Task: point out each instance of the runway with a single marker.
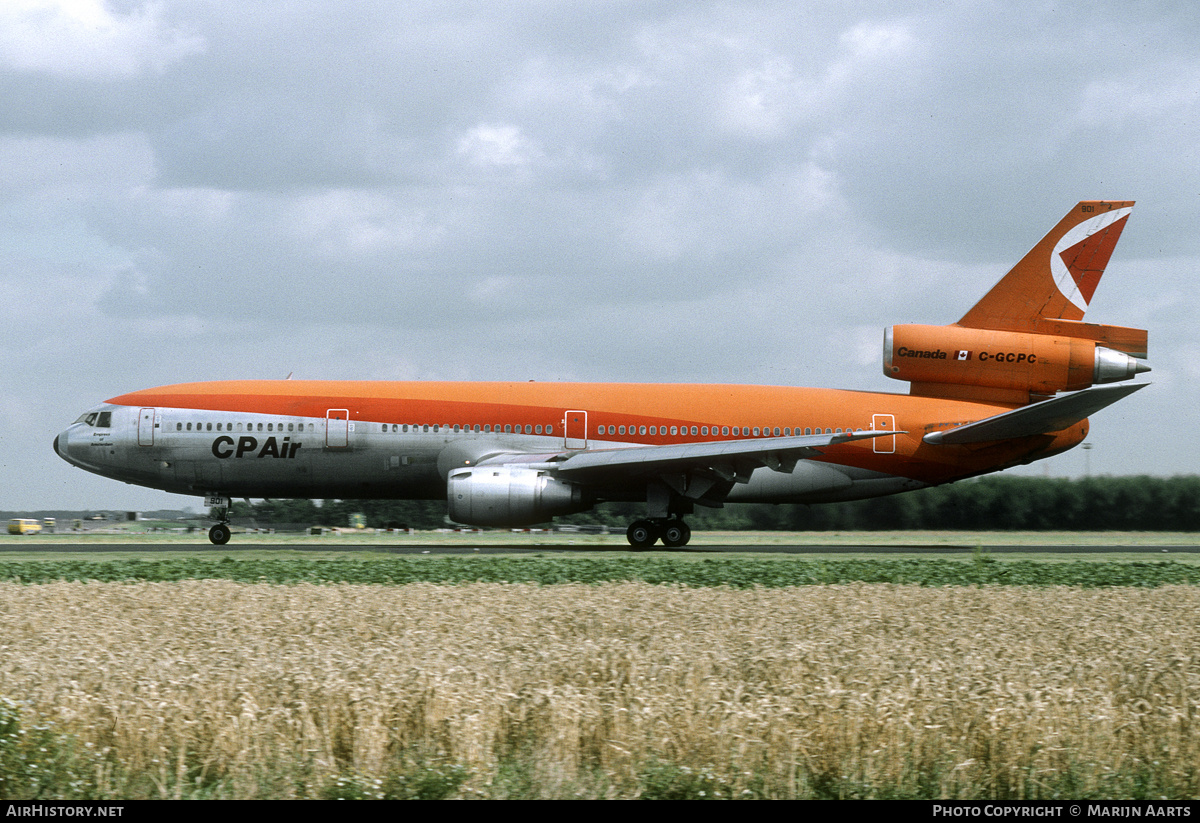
(418, 548)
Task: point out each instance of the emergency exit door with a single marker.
(884, 423)
(337, 428)
(575, 430)
(146, 427)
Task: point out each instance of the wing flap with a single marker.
(1047, 416)
(727, 456)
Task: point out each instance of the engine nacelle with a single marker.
(509, 496)
(1037, 363)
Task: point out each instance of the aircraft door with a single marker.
(337, 428)
(575, 430)
(884, 422)
(145, 427)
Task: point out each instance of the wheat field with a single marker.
(208, 688)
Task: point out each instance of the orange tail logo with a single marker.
(1056, 279)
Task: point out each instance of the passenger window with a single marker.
(674, 429)
(528, 428)
(621, 430)
(776, 431)
(507, 428)
(208, 426)
(641, 430)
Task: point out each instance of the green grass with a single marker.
(697, 571)
(126, 533)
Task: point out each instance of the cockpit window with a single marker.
(100, 420)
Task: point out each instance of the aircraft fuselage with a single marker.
(318, 439)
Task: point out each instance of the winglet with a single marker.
(1056, 279)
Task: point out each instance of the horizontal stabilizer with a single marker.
(1047, 416)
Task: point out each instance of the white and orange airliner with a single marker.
(1011, 382)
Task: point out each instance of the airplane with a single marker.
(1013, 381)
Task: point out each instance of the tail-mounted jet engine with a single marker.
(1039, 364)
(509, 497)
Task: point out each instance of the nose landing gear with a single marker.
(673, 532)
(219, 534)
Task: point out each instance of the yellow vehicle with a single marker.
(22, 526)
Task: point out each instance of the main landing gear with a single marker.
(673, 533)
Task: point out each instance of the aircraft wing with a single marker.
(779, 453)
(727, 460)
(1047, 416)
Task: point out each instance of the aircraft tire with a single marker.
(219, 534)
(641, 534)
(676, 534)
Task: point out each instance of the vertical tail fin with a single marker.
(1026, 338)
(1056, 279)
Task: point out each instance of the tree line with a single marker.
(994, 503)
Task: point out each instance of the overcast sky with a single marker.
(629, 191)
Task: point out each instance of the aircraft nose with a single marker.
(60, 446)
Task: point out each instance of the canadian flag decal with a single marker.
(962, 354)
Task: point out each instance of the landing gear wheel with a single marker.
(219, 534)
(676, 534)
(641, 534)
